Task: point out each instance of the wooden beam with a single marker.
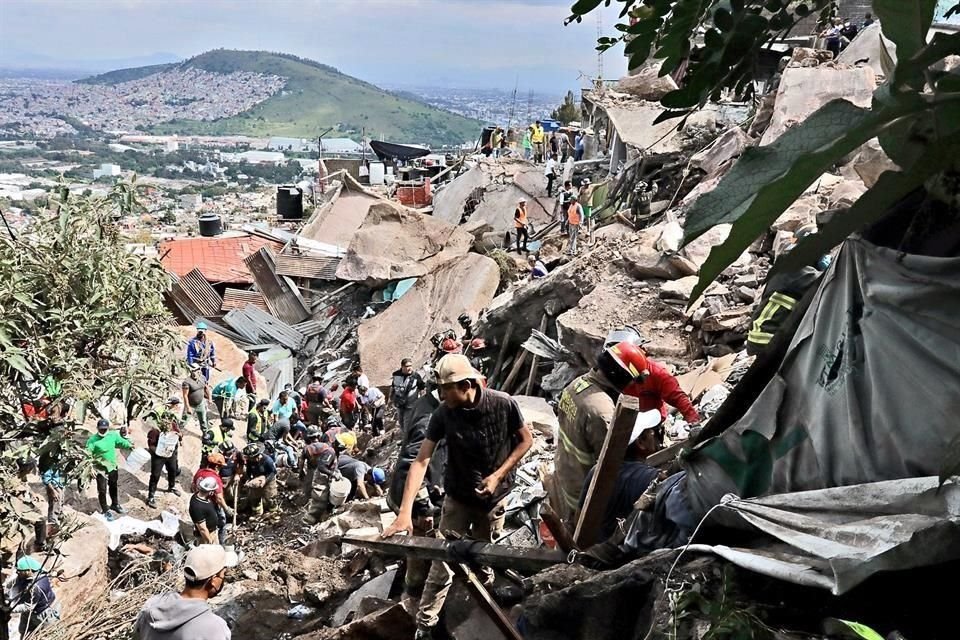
(522, 559)
(500, 356)
(486, 602)
(605, 474)
(536, 360)
(514, 371)
(557, 529)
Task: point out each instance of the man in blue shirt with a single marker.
(202, 351)
(285, 408)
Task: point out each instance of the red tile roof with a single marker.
(219, 259)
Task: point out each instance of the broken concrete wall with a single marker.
(432, 305)
(646, 83)
(501, 183)
(803, 90)
(395, 243)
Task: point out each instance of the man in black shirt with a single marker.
(204, 514)
(405, 387)
(486, 438)
(260, 479)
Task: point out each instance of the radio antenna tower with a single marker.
(599, 53)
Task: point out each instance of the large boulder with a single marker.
(645, 82)
(803, 90)
(395, 243)
(432, 305)
(539, 414)
(493, 188)
(83, 564)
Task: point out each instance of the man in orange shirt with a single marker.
(574, 218)
(520, 222)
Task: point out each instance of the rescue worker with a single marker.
(259, 479)
(486, 438)
(477, 352)
(280, 439)
(103, 447)
(634, 476)
(520, 224)
(536, 137)
(349, 405)
(249, 372)
(373, 405)
(258, 421)
(586, 411)
(231, 471)
(163, 442)
(574, 220)
(405, 388)
(201, 351)
(317, 399)
(32, 596)
(211, 470)
(196, 394)
(318, 465)
(466, 323)
(359, 473)
(430, 495)
(204, 515)
(780, 294)
(226, 394)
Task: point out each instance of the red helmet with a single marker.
(478, 343)
(622, 364)
(449, 345)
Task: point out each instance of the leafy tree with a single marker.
(915, 113)
(568, 111)
(80, 319)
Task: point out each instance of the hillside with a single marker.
(314, 98)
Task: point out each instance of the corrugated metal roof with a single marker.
(257, 325)
(207, 300)
(304, 266)
(219, 259)
(283, 299)
(240, 298)
(278, 375)
(315, 327)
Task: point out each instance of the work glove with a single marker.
(21, 608)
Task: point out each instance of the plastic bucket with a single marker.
(339, 490)
(136, 459)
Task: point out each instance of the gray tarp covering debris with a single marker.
(845, 409)
(839, 537)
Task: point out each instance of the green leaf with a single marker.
(766, 180)
(849, 629)
(906, 23)
(18, 362)
(870, 207)
(583, 7)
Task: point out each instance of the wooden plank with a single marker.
(523, 559)
(536, 360)
(515, 370)
(501, 355)
(605, 474)
(557, 530)
(486, 602)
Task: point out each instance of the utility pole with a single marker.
(599, 53)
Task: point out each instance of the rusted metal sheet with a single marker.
(307, 266)
(205, 298)
(240, 298)
(282, 298)
(256, 325)
(316, 326)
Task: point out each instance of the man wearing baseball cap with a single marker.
(186, 615)
(163, 442)
(486, 438)
(103, 447)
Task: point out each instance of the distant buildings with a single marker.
(254, 157)
(108, 170)
(191, 201)
(296, 145)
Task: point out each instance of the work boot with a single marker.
(174, 490)
(152, 501)
(118, 509)
(109, 517)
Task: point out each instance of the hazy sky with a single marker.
(427, 42)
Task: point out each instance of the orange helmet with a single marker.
(623, 364)
(478, 343)
(449, 345)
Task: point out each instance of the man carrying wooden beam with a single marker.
(486, 438)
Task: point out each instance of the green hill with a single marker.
(315, 97)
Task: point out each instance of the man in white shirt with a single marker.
(551, 172)
(374, 404)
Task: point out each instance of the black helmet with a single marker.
(226, 424)
(465, 320)
(253, 450)
(207, 438)
(332, 421)
(227, 447)
(312, 433)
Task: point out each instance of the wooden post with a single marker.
(501, 355)
(605, 476)
(536, 360)
(515, 370)
(560, 533)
